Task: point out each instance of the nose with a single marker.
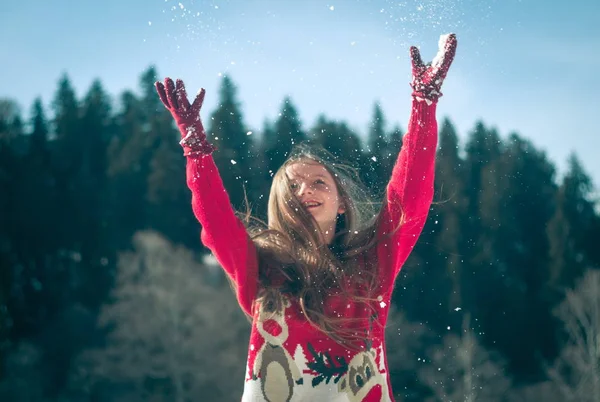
(304, 188)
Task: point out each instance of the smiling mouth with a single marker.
(311, 205)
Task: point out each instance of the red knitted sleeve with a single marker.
(409, 192)
(222, 232)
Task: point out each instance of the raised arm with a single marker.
(410, 190)
(222, 232)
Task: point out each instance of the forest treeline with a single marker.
(106, 293)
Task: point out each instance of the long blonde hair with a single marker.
(293, 260)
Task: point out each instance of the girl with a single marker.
(318, 281)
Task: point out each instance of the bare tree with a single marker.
(462, 370)
(171, 334)
(577, 369)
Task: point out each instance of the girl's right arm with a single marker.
(222, 232)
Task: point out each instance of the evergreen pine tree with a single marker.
(9, 131)
(516, 204)
(288, 132)
(227, 131)
(167, 196)
(68, 141)
(439, 287)
(128, 158)
(68, 151)
(38, 145)
(377, 143)
(392, 150)
(340, 140)
(36, 190)
(449, 211)
(96, 130)
(144, 128)
(571, 226)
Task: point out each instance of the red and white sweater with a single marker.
(288, 359)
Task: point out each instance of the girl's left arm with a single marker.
(410, 191)
(222, 232)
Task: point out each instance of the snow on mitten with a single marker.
(427, 79)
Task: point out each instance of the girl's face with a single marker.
(315, 189)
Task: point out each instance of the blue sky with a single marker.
(521, 65)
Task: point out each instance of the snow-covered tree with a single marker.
(461, 369)
(577, 369)
(171, 333)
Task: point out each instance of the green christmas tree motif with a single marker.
(326, 366)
